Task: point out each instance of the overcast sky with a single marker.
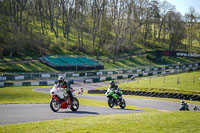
(183, 5)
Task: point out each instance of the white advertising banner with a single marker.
(119, 72)
(135, 75)
(109, 73)
(76, 75)
(50, 82)
(102, 79)
(113, 77)
(45, 75)
(2, 78)
(155, 69)
(1, 84)
(17, 83)
(147, 69)
(154, 73)
(99, 73)
(163, 72)
(145, 74)
(89, 81)
(171, 71)
(129, 71)
(19, 77)
(125, 76)
(34, 83)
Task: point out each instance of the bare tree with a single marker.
(191, 20)
(176, 29)
(164, 7)
(80, 13)
(68, 15)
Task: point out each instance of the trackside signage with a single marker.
(177, 53)
(187, 54)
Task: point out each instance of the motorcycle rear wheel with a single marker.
(75, 105)
(54, 105)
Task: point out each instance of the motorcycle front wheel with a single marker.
(111, 102)
(54, 105)
(123, 104)
(75, 105)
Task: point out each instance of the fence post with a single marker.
(194, 80)
(31, 75)
(164, 80)
(178, 80)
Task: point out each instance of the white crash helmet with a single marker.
(61, 79)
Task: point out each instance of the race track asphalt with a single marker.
(21, 113)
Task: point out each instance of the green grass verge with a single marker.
(22, 94)
(153, 122)
(189, 83)
(26, 67)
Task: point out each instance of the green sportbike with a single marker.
(115, 100)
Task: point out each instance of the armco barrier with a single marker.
(8, 84)
(108, 78)
(46, 76)
(1, 84)
(153, 94)
(32, 83)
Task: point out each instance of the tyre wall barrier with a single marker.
(153, 94)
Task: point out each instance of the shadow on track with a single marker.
(80, 112)
(127, 109)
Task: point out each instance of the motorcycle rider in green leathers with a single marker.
(115, 88)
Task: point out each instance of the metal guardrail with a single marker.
(53, 75)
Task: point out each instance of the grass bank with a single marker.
(26, 67)
(153, 122)
(120, 63)
(22, 94)
(187, 83)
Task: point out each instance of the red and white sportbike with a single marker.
(60, 99)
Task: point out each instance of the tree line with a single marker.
(113, 26)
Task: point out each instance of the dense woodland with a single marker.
(96, 27)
